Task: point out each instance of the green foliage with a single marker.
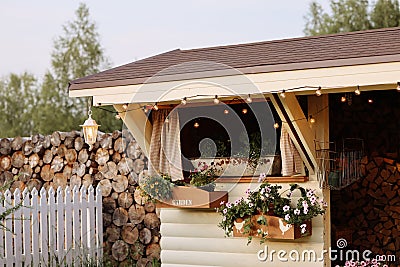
(268, 200)
(203, 175)
(77, 53)
(18, 103)
(28, 107)
(351, 15)
(158, 187)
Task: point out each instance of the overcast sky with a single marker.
(132, 30)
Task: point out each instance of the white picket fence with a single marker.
(52, 228)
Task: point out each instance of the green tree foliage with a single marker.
(18, 101)
(77, 53)
(351, 15)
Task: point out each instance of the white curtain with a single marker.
(165, 144)
(291, 160)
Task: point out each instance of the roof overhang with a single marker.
(372, 76)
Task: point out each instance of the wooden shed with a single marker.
(302, 81)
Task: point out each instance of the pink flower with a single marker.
(222, 203)
(287, 217)
(296, 212)
(225, 211)
(251, 205)
(305, 211)
(229, 205)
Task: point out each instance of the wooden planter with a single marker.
(191, 197)
(276, 228)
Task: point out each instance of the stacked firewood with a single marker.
(131, 225)
(370, 207)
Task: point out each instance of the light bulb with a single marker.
(125, 106)
(343, 99)
(244, 111)
(276, 125)
(216, 100)
(196, 125)
(248, 99)
(318, 92)
(226, 111)
(166, 120)
(312, 120)
(357, 91)
(283, 94)
(118, 117)
(184, 101)
(155, 107)
(370, 101)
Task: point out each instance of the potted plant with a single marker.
(268, 213)
(253, 156)
(204, 176)
(158, 187)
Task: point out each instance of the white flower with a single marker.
(251, 205)
(224, 218)
(303, 228)
(286, 208)
(225, 211)
(262, 191)
(305, 204)
(222, 203)
(313, 199)
(229, 205)
(305, 211)
(296, 212)
(310, 193)
(287, 217)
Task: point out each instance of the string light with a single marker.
(370, 101)
(118, 117)
(398, 86)
(125, 106)
(196, 125)
(312, 120)
(226, 111)
(318, 92)
(184, 101)
(244, 111)
(216, 100)
(343, 99)
(166, 120)
(248, 99)
(357, 91)
(276, 125)
(283, 94)
(155, 107)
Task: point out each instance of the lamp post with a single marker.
(89, 128)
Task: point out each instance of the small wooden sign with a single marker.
(275, 228)
(191, 197)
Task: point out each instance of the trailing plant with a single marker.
(269, 200)
(203, 175)
(158, 187)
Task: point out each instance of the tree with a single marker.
(386, 13)
(77, 53)
(18, 101)
(351, 15)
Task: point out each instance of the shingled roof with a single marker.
(364, 47)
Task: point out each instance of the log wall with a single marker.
(367, 213)
(131, 225)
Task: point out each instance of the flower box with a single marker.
(191, 197)
(236, 166)
(274, 228)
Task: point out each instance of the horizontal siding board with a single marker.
(213, 231)
(233, 245)
(188, 258)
